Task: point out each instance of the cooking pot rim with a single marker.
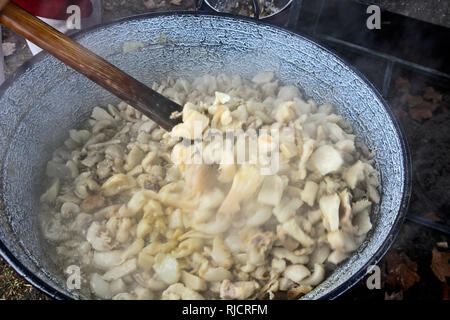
(382, 250)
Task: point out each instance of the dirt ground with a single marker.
(14, 287)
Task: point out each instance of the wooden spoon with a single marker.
(149, 102)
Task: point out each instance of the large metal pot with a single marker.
(45, 98)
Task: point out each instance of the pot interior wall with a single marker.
(38, 108)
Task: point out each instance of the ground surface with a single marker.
(14, 287)
(433, 11)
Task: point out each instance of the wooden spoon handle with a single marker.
(135, 93)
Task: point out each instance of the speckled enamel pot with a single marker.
(45, 98)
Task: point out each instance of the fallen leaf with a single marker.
(402, 85)
(420, 107)
(8, 48)
(400, 113)
(150, 4)
(420, 114)
(431, 94)
(175, 2)
(440, 264)
(400, 272)
(443, 244)
(429, 105)
(413, 101)
(445, 291)
(393, 296)
(424, 110)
